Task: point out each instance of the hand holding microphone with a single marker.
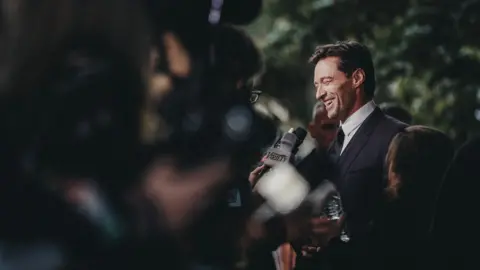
(280, 193)
(285, 196)
(281, 152)
(254, 175)
(280, 186)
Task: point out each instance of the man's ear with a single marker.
(358, 78)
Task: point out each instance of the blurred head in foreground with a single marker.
(237, 55)
(417, 159)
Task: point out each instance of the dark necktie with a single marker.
(338, 144)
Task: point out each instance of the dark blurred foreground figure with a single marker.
(214, 239)
(236, 54)
(214, 119)
(455, 223)
(79, 125)
(396, 111)
(74, 98)
(72, 92)
(417, 159)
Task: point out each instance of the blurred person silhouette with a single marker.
(453, 229)
(227, 60)
(65, 131)
(214, 239)
(190, 191)
(97, 88)
(417, 160)
(87, 135)
(239, 57)
(71, 100)
(396, 111)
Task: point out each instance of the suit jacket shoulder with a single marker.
(370, 143)
(387, 128)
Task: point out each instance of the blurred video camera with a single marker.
(204, 113)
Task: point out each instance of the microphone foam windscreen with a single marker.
(283, 188)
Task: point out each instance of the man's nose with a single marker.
(320, 93)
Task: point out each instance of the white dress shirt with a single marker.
(354, 121)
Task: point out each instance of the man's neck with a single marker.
(359, 103)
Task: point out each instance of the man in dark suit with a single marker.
(344, 80)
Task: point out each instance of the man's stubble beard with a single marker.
(346, 110)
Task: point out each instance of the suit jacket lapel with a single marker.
(359, 140)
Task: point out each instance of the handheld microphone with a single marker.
(283, 150)
(282, 153)
(301, 135)
(283, 191)
(276, 144)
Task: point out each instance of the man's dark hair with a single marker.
(396, 111)
(353, 55)
(237, 54)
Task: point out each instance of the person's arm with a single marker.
(287, 256)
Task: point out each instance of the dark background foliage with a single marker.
(427, 54)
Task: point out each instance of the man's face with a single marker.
(323, 129)
(333, 88)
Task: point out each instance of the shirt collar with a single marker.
(357, 118)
